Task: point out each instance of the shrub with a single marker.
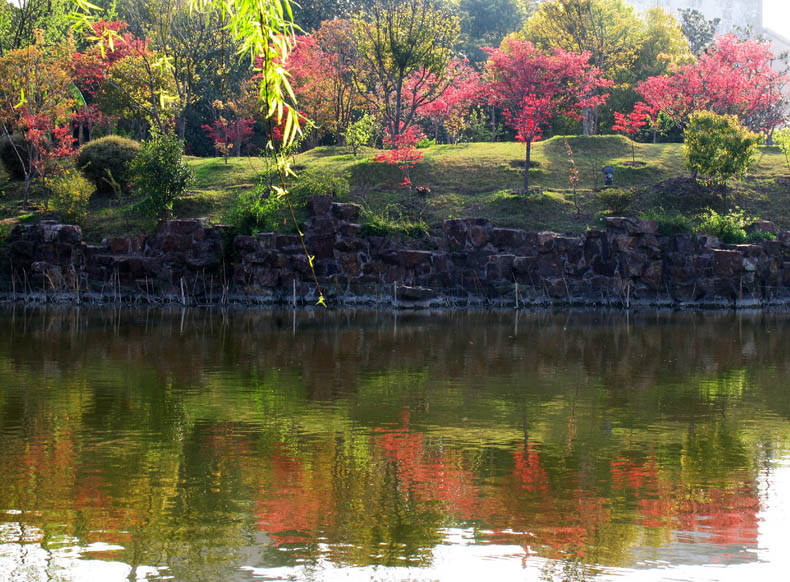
(160, 174)
(309, 183)
(615, 200)
(759, 235)
(719, 147)
(106, 160)
(256, 210)
(9, 155)
(729, 227)
(391, 222)
(70, 193)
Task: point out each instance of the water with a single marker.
(199, 446)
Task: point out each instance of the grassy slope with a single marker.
(467, 180)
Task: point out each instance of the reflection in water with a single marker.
(210, 446)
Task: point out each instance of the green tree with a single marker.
(160, 174)
(405, 47)
(719, 147)
(609, 30)
(360, 132)
(698, 31)
(20, 19)
(486, 22)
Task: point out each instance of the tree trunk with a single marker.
(526, 168)
(586, 121)
(493, 123)
(724, 197)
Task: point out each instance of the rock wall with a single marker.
(465, 262)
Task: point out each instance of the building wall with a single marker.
(733, 13)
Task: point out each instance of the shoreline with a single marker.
(463, 264)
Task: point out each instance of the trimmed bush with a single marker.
(10, 157)
(106, 160)
(616, 201)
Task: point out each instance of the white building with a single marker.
(740, 13)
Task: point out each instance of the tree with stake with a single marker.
(532, 87)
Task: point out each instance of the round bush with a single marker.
(107, 159)
(10, 156)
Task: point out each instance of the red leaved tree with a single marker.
(403, 152)
(734, 78)
(532, 87)
(451, 108)
(630, 124)
(229, 135)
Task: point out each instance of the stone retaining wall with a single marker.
(465, 262)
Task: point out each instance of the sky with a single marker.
(776, 16)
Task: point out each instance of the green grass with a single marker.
(466, 180)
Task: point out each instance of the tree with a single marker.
(631, 124)
(20, 19)
(662, 46)
(718, 147)
(403, 152)
(229, 135)
(532, 87)
(36, 101)
(451, 108)
(698, 31)
(609, 31)
(199, 51)
(404, 53)
(486, 23)
(735, 77)
(321, 76)
(360, 132)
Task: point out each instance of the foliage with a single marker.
(670, 223)
(35, 102)
(403, 152)
(661, 47)
(609, 31)
(360, 132)
(71, 193)
(310, 183)
(138, 88)
(735, 77)
(719, 147)
(106, 160)
(160, 174)
(451, 108)
(256, 210)
(486, 23)
(532, 87)
(390, 221)
(229, 135)
(698, 31)
(615, 200)
(730, 227)
(630, 124)
(781, 140)
(320, 68)
(404, 57)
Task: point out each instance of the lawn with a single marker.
(465, 180)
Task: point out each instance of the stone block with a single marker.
(319, 205)
(727, 263)
(346, 211)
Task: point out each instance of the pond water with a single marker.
(211, 446)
